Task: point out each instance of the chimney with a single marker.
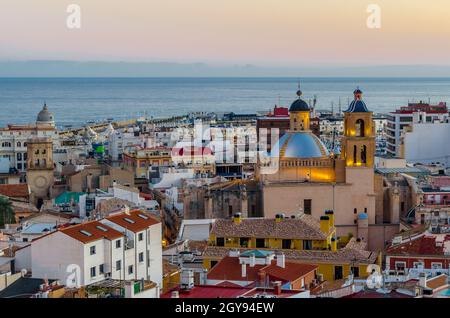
(325, 224)
(333, 244)
(423, 280)
(277, 288)
(279, 218)
(281, 260)
(330, 214)
(244, 270)
(252, 260)
(237, 218)
(262, 278)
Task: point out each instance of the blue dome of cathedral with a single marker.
(299, 145)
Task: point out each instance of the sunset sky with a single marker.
(261, 32)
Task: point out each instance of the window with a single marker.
(260, 243)
(363, 154)
(141, 257)
(101, 269)
(19, 144)
(286, 244)
(220, 241)
(93, 272)
(118, 265)
(19, 156)
(307, 245)
(36, 152)
(359, 127)
(402, 206)
(338, 272)
(92, 250)
(118, 243)
(243, 241)
(230, 210)
(307, 206)
(400, 266)
(130, 269)
(355, 271)
(140, 236)
(354, 154)
(418, 264)
(436, 265)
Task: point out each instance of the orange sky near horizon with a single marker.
(262, 32)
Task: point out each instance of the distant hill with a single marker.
(50, 68)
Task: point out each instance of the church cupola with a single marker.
(299, 114)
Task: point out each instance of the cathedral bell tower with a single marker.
(358, 143)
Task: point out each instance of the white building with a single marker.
(13, 139)
(125, 246)
(426, 142)
(404, 117)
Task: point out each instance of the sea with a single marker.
(78, 101)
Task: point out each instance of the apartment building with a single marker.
(404, 117)
(125, 246)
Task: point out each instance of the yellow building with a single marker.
(302, 239)
(138, 160)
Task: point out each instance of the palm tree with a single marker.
(6, 212)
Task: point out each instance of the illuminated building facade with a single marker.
(310, 179)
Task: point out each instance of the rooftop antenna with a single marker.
(332, 108)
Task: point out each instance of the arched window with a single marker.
(363, 154)
(359, 128)
(354, 154)
(19, 144)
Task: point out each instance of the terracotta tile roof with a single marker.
(135, 221)
(422, 245)
(305, 227)
(229, 269)
(290, 273)
(437, 282)
(96, 230)
(374, 294)
(15, 190)
(343, 255)
(210, 292)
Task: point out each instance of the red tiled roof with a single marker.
(291, 272)
(229, 269)
(94, 228)
(191, 151)
(138, 220)
(304, 227)
(210, 292)
(374, 294)
(15, 190)
(424, 245)
(146, 196)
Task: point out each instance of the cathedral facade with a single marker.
(309, 179)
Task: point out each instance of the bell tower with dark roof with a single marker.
(358, 143)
